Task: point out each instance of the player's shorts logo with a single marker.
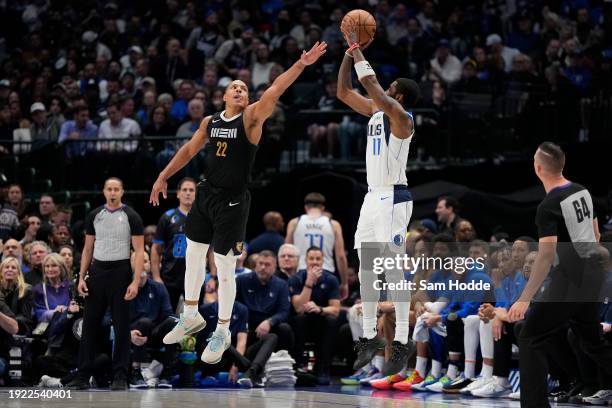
(398, 239)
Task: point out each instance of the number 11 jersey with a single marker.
(386, 155)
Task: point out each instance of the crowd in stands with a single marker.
(286, 300)
(119, 70)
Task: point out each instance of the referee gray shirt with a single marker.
(113, 230)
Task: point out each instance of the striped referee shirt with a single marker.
(113, 230)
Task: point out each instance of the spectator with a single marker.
(524, 38)
(196, 114)
(169, 67)
(38, 251)
(464, 231)
(118, 127)
(235, 54)
(203, 41)
(149, 100)
(300, 31)
(446, 210)
(267, 299)
(17, 200)
(8, 221)
(53, 294)
(288, 259)
(160, 124)
(66, 251)
(15, 307)
(470, 82)
(184, 93)
(151, 319)
(42, 129)
(323, 138)
(272, 238)
(497, 47)
(315, 298)
(445, 65)
(210, 80)
(32, 226)
(79, 128)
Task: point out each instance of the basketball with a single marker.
(364, 20)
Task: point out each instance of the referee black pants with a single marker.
(107, 284)
(542, 324)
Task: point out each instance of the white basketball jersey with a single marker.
(386, 155)
(317, 232)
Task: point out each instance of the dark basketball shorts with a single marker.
(219, 217)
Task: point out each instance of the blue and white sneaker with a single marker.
(429, 380)
(217, 344)
(439, 385)
(355, 378)
(373, 375)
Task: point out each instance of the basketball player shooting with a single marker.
(219, 214)
(387, 206)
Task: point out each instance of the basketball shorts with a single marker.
(219, 217)
(384, 217)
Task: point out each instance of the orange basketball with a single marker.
(364, 20)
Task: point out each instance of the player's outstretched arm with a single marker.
(180, 159)
(400, 124)
(347, 94)
(263, 108)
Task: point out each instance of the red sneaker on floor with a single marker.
(387, 382)
(407, 384)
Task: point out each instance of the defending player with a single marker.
(219, 214)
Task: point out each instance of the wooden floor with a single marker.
(334, 396)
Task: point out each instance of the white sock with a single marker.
(487, 371)
(190, 310)
(403, 372)
(195, 263)
(436, 368)
(378, 362)
(402, 311)
(470, 369)
(366, 368)
(486, 340)
(226, 270)
(366, 280)
(421, 366)
(452, 371)
(503, 381)
(369, 319)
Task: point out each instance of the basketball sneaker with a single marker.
(217, 344)
(186, 325)
(386, 383)
(437, 386)
(409, 382)
(366, 350)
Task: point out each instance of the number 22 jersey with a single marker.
(229, 153)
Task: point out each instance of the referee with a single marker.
(568, 236)
(106, 280)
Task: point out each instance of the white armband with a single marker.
(364, 69)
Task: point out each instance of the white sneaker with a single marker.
(601, 397)
(186, 325)
(480, 382)
(50, 382)
(492, 389)
(515, 395)
(217, 344)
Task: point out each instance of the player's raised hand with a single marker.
(160, 186)
(314, 54)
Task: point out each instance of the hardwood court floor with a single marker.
(334, 396)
